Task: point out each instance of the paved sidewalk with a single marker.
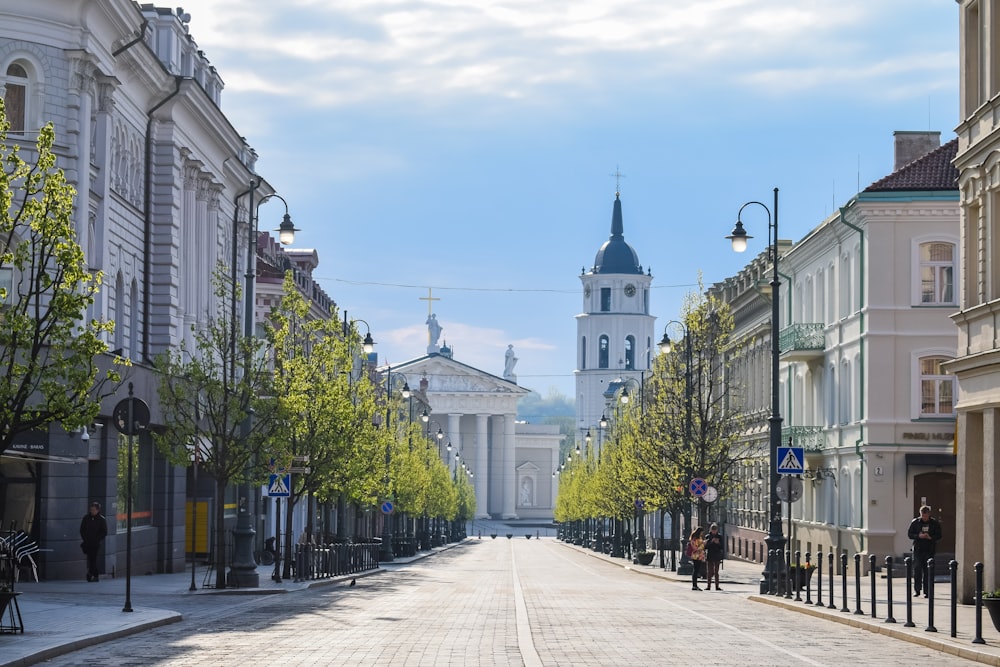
(741, 577)
(64, 616)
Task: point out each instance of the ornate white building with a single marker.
(163, 183)
(865, 300)
(614, 340)
(513, 463)
(978, 362)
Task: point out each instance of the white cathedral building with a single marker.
(513, 462)
(614, 331)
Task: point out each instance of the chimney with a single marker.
(910, 146)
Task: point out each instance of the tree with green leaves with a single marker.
(219, 405)
(688, 430)
(49, 343)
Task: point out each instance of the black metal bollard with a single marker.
(808, 579)
(819, 580)
(796, 579)
(909, 593)
(979, 604)
(857, 585)
(953, 568)
(871, 579)
(774, 571)
(888, 577)
(830, 563)
(787, 570)
(843, 582)
(930, 596)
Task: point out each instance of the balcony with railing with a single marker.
(809, 438)
(802, 342)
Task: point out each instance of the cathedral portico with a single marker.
(478, 412)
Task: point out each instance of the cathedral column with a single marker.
(482, 469)
(454, 435)
(508, 475)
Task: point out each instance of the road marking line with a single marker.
(524, 642)
(733, 628)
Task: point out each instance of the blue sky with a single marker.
(470, 145)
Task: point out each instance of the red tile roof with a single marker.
(933, 171)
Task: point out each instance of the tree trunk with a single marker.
(220, 534)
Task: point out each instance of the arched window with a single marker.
(583, 354)
(15, 97)
(118, 312)
(937, 389)
(937, 272)
(602, 352)
(629, 352)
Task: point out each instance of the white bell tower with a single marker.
(614, 340)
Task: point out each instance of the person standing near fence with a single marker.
(714, 553)
(696, 552)
(925, 531)
(93, 530)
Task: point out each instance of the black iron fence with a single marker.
(322, 561)
(796, 574)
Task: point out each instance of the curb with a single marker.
(63, 649)
(887, 629)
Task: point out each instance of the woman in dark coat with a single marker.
(93, 530)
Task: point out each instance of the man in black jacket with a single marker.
(93, 530)
(925, 531)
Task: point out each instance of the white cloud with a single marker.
(335, 54)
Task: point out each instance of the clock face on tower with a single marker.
(630, 290)
(586, 290)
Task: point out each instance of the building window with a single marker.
(605, 299)
(937, 271)
(15, 97)
(937, 389)
(583, 354)
(629, 353)
(602, 352)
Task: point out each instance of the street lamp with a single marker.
(385, 551)
(243, 569)
(775, 540)
(666, 346)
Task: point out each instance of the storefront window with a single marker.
(142, 481)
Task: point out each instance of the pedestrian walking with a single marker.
(696, 552)
(714, 553)
(93, 530)
(925, 531)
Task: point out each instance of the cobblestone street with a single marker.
(504, 602)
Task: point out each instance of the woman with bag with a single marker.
(696, 552)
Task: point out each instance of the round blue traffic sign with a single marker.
(698, 487)
(387, 507)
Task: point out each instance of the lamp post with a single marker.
(666, 346)
(243, 569)
(367, 346)
(385, 555)
(639, 538)
(775, 540)
(433, 524)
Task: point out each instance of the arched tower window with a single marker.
(583, 354)
(602, 352)
(629, 353)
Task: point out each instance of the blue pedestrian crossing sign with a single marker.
(280, 486)
(791, 461)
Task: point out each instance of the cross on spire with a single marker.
(618, 180)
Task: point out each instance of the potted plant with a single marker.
(644, 557)
(991, 602)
